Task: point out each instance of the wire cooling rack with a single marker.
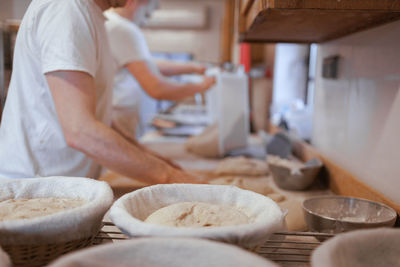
(284, 248)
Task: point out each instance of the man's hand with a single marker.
(207, 82)
(199, 69)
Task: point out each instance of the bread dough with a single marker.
(295, 217)
(255, 184)
(242, 166)
(205, 144)
(15, 209)
(198, 214)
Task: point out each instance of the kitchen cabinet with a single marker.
(311, 21)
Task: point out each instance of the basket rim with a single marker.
(133, 226)
(62, 225)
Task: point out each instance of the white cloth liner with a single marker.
(4, 259)
(63, 226)
(361, 248)
(129, 212)
(164, 252)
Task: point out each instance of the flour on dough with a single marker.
(255, 184)
(198, 214)
(15, 209)
(242, 166)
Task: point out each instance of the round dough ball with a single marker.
(242, 166)
(205, 144)
(255, 184)
(16, 209)
(198, 214)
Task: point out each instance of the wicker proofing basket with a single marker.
(129, 212)
(40, 255)
(37, 241)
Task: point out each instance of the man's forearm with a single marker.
(162, 88)
(111, 150)
(125, 134)
(167, 90)
(84, 132)
(169, 68)
(132, 140)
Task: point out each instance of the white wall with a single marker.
(290, 84)
(290, 74)
(357, 116)
(204, 44)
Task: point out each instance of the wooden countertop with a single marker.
(173, 148)
(170, 147)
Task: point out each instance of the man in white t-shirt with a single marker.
(57, 113)
(138, 70)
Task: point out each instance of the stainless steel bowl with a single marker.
(300, 180)
(336, 214)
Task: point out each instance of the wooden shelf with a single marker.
(312, 21)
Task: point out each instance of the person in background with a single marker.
(57, 115)
(138, 70)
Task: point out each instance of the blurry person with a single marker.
(57, 115)
(139, 71)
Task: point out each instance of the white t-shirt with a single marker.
(54, 35)
(127, 44)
